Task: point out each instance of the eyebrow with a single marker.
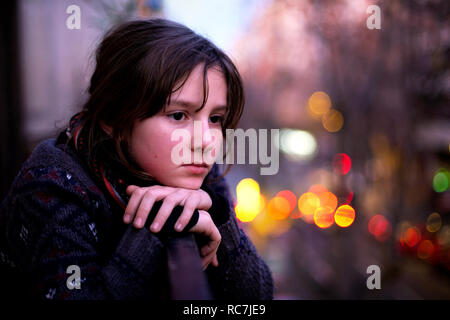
(190, 105)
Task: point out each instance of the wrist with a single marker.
(220, 207)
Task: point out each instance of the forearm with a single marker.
(241, 274)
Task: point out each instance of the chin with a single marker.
(187, 183)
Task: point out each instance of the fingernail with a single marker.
(138, 222)
(155, 226)
(178, 227)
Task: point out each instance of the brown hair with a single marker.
(138, 65)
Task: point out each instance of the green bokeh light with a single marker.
(441, 180)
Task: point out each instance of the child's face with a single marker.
(151, 144)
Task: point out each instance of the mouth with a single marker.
(196, 168)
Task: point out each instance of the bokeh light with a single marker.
(411, 236)
(297, 144)
(324, 217)
(265, 225)
(348, 198)
(441, 180)
(342, 163)
(443, 237)
(318, 104)
(317, 189)
(434, 222)
(380, 227)
(425, 249)
(279, 208)
(248, 200)
(327, 198)
(308, 203)
(290, 197)
(344, 216)
(333, 120)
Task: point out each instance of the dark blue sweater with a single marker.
(55, 216)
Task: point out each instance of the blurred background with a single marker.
(363, 114)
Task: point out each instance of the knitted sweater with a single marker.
(56, 216)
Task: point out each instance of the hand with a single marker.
(143, 198)
(206, 227)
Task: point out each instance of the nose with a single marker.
(202, 136)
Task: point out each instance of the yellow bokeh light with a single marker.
(248, 200)
(262, 202)
(333, 120)
(434, 222)
(265, 225)
(308, 203)
(247, 187)
(323, 217)
(278, 208)
(319, 103)
(344, 216)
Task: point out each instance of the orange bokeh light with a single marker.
(308, 203)
(411, 236)
(289, 196)
(278, 208)
(328, 199)
(317, 189)
(319, 103)
(344, 216)
(323, 217)
(333, 120)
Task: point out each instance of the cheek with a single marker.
(152, 151)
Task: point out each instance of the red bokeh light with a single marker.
(411, 237)
(342, 163)
(380, 227)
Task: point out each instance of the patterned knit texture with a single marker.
(55, 216)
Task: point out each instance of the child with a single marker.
(106, 195)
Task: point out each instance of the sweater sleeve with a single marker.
(50, 228)
(242, 273)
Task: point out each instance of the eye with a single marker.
(177, 116)
(217, 119)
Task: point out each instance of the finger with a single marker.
(136, 197)
(166, 209)
(207, 260)
(215, 262)
(130, 189)
(133, 205)
(144, 209)
(189, 207)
